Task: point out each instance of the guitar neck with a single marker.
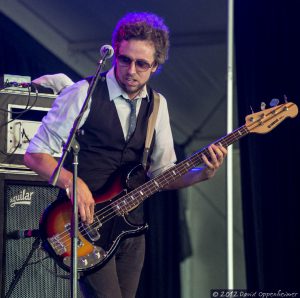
(194, 160)
(138, 195)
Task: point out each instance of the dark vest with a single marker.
(103, 149)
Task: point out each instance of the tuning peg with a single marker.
(263, 106)
(274, 102)
(285, 98)
(251, 110)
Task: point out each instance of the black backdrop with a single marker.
(267, 66)
(22, 55)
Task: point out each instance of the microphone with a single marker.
(22, 234)
(106, 51)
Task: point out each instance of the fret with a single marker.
(156, 183)
(233, 137)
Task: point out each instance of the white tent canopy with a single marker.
(194, 78)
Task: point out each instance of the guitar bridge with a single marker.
(59, 241)
(57, 244)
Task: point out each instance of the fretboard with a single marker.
(131, 200)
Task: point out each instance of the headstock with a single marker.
(264, 121)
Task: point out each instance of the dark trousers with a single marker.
(119, 278)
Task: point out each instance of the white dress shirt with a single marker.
(56, 125)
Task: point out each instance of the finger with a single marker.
(92, 208)
(213, 151)
(223, 149)
(220, 156)
(90, 213)
(89, 218)
(220, 153)
(82, 212)
(207, 162)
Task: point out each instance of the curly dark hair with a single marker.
(143, 26)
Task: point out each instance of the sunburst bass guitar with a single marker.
(98, 242)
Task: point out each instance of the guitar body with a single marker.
(97, 242)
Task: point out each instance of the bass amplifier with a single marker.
(23, 199)
(20, 116)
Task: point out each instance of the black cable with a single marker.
(27, 104)
(25, 135)
(26, 109)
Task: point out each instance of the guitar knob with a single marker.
(84, 262)
(97, 255)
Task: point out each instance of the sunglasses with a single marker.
(140, 65)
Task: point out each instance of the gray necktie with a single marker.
(132, 117)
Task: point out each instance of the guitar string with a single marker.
(136, 201)
(195, 156)
(242, 131)
(113, 204)
(112, 214)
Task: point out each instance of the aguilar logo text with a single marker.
(22, 198)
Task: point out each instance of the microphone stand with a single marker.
(74, 145)
(19, 272)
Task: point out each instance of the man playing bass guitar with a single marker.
(113, 137)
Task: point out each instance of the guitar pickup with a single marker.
(91, 231)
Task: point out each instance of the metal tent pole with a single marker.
(230, 68)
